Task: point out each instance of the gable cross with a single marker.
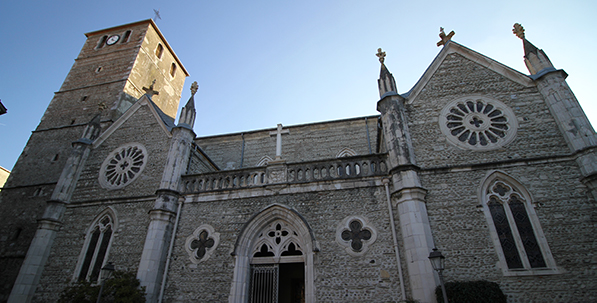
(278, 133)
(149, 91)
(445, 38)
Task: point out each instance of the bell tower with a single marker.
(107, 77)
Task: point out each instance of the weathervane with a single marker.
(381, 55)
(445, 38)
(518, 30)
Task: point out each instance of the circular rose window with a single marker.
(478, 123)
(123, 166)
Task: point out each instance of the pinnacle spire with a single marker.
(386, 82)
(535, 59)
(188, 113)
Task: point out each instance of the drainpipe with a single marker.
(161, 296)
(396, 248)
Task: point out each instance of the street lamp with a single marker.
(105, 274)
(438, 264)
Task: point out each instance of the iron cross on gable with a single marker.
(149, 91)
(278, 133)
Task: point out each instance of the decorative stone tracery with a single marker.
(278, 243)
(202, 243)
(355, 235)
(478, 123)
(123, 166)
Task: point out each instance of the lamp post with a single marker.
(438, 264)
(105, 274)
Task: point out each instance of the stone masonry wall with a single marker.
(567, 217)
(125, 250)
(307, 142)
(142, 127)
(537, 135)
(339, 277)
(460, 230)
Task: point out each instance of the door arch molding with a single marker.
(249, 234)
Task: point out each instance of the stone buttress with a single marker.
(160, 230)
(408, 195)
(563, 105)
(51, 221)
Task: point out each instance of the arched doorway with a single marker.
(274, 258)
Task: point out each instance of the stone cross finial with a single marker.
(278, 133)
(381, 55)
(149, 91)
(194, 88)
(445, 38)
(518, 30)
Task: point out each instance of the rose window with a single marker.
(478, 123)
(123, 166)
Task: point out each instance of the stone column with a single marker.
(51, 221)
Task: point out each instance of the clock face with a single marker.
(113, 39)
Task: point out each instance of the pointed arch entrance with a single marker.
(274, 258)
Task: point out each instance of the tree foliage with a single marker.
(123, 287)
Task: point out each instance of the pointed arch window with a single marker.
(96, 248)
(515, 229)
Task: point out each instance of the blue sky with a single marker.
(259, 63)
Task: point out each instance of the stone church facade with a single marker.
(495, 168)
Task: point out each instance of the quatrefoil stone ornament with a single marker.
(356, 235)
(202, 243)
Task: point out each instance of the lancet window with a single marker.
(96, 248)
(515, 228)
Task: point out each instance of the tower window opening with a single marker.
(101, 42)
(126, 36)
(159, 51)
(17, 233)
(173, 69)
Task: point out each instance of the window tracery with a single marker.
(515, 228)
(123, 166)
(96, 248)
(478, 123)
(277, 243)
